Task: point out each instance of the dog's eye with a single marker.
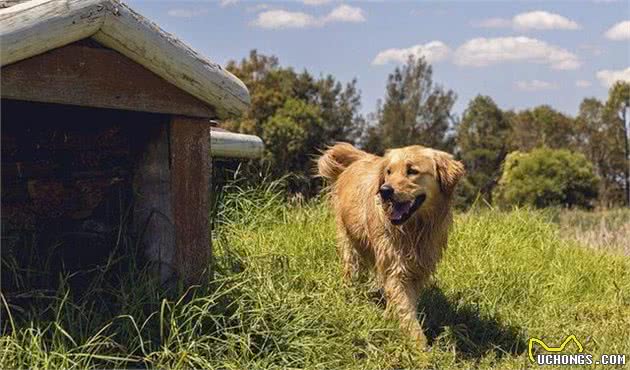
(411, 171)
(389, 172)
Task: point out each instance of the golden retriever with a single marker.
(393, 215)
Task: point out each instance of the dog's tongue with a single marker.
(399, 210)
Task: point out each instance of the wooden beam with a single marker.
(231, 145)
(190, 184)
(34, 27)
(10, 3)
(86, 76)
(165, 55)
(153, 203)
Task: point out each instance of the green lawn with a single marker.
(278, 302)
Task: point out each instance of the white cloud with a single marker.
(258, 7)
(482, 51)
(535, 20)
(187, 13)
(582, 83)
(620, 31)
(225, 3)
(279, 19)
(493, 23)
(535, 85)
(433, 51)
(541, 20)
(345, 13)
(608, 77)
(317, 2)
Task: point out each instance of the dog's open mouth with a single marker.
(401, 211)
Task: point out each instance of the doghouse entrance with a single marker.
(67, 193)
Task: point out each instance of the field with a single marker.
(277, 300)
(608, 230)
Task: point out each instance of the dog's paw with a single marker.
(419, 337)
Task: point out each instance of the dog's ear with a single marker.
(449, 171)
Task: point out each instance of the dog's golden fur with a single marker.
(403, 255)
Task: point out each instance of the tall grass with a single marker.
(607, 230)
(277, 301)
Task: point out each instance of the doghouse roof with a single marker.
(34, 27)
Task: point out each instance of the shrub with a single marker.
(547, 177)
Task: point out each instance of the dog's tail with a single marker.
(336, 159)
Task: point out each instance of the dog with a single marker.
(393, 213)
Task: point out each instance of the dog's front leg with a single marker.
(402, 301)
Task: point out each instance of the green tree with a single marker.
(616, 110)
(292, 134)
(598, 139)
(542, 127)
(547, 177)
(295, 114)
(270, 85)
(340, 109)
(482, 142)
(415, 111)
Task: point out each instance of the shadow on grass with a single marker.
(474, 335)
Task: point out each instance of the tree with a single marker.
(616, 110)
(340, 109)
(271, 85)
(415, 111)
(295, 114)
(598, 139)
(542, 127)
(292, 134)
(547, 177)
(482, 142)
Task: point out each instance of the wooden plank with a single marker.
(37, 26)
(103, 78)
(164, 54)
(10, 3)
(153, 203)
(231, 145)
(190, 184)
(34, 27)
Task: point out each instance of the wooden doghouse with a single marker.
(95, 97)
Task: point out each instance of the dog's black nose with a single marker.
(386, 191)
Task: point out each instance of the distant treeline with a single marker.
(297, 114)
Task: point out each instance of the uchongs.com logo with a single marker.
(562, 356)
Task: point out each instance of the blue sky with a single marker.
(521, 53)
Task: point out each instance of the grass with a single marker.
(277, 301)
(607, 230)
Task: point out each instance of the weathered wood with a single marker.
(228, 144)
(34, 27)
(190, 184)
(10, 3)
(103, 78)
(162, 53)
(153, 204)
(37, 26)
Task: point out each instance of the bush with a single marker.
(546, 177)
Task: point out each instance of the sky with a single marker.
(520, 53)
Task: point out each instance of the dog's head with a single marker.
(415, 179)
